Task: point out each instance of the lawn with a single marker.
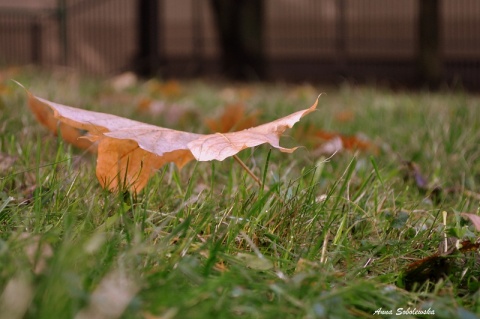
(360, 232)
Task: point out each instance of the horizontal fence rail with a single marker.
(303, 40)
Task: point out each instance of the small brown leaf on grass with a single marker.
(237, 93)
(345, 116)
(129, 152)
(233, 118)
(439, 264)
(326, 142)
(167, 89)
(349, 142)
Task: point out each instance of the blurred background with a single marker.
(414, 43)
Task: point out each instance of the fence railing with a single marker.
(303, 39)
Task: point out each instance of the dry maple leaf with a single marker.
(129, 152)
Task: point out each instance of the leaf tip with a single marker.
(314, 106)
(22, 86)
(19, 84)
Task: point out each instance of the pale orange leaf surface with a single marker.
(129, 152)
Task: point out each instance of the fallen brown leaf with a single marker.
(345, 116)
(129, 152)
(349, 142)
(233, 118)
(325, 142)
(167, 89)
(329, 147)
(238, 93)
(438, 265)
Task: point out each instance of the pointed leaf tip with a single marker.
(20, 85)
(220, 146)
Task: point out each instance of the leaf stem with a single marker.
(245, 167)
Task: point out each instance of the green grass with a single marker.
(324, 238)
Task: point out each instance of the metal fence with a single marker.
(304, 39)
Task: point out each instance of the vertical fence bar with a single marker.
(149, 40)
(62, 30)
(36, 41)
(197, 36)
(341, 36)
(430, 63)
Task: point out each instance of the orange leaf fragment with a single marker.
(345, 116)
(233, 118)
(326, 142)
(129, 152)
(168, 89)
(348, 142)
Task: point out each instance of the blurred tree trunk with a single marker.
(430, 62)
(240, 28)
